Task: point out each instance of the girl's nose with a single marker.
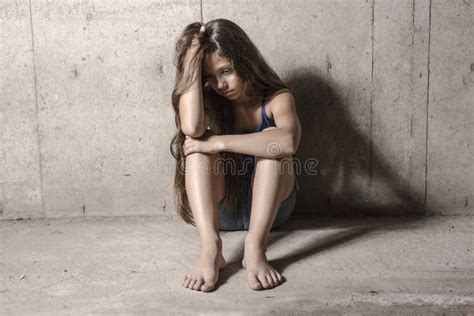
(222, 85)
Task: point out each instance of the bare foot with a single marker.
(260, 273)
(204, 275)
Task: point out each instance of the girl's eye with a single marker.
(227, 70)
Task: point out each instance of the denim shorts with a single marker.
(238, 217)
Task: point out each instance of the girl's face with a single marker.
(222, 77)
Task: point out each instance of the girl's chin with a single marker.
(231, 96)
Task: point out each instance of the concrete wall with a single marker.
(384, 93)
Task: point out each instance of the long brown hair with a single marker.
(228, 40)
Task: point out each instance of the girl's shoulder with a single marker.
(276, 98)
(279, 92)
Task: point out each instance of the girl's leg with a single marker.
(205, 186)
(273, 181)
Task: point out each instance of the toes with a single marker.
(274, 276)
(280, 277)
(253, 282)
(187, 281)
(191, 284)
(207, 287)
(270, 281)
(264, 282)
(197, 285)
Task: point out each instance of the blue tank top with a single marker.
(248, 161)
(266, 122)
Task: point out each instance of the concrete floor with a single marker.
(370, 265)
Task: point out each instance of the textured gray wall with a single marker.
(384, 94)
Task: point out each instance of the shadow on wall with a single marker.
(343, 182)
(346, 175)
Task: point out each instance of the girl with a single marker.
(232, 112)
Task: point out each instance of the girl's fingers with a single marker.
(195, 43)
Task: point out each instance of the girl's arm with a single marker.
(191, 109)
(272, 143)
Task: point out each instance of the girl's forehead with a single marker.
(213, 61)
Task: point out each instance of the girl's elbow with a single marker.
(193, 132)
(295, 142)
(292, 145)
(292, 148)
(286, 150)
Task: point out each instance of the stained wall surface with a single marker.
(384, 93)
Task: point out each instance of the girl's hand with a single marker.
(194, 47)
(192, 50)
(208, 144)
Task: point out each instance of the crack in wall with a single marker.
(412, 98)
(202, 19)
(38, 138)
(425, 200)
(371, 94)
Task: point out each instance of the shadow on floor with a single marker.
(346, 154)
(350, 230)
